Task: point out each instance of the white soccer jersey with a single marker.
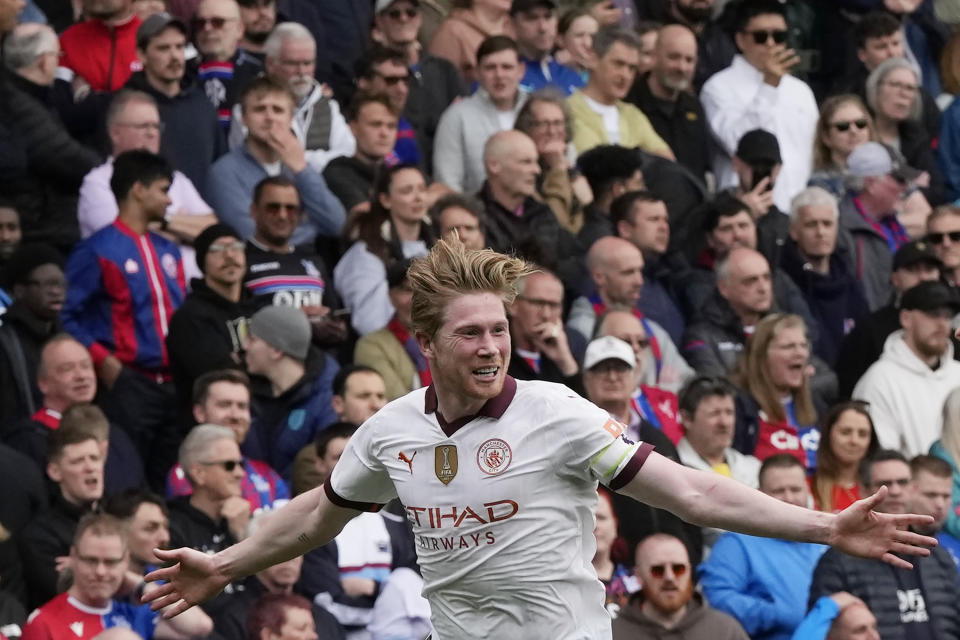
(502, 505)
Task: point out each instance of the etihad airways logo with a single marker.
(439, 517)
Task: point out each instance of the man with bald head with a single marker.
(744, 294)
(616, 269)
(515, 219)
(664, 95)
(224, 68)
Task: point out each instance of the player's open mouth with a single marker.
(486, 373)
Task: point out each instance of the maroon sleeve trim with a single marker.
(348, 504)
(632, 467)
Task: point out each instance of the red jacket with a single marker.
(104, 56)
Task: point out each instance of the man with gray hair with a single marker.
(45, 194)
(291, 55)
(296, 404)
(600, 115)
(224, 68)
(869, 228)
(215, 515)
(811, 258)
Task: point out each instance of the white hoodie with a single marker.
(906, 396)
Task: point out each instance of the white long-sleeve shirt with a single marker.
(737, 100)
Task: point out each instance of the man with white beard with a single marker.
(291, 55)
(664, 96)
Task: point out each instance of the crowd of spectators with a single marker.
(745, 220)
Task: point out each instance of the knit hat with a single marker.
(202, 242)
(283, 328)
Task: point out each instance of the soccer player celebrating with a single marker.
(499, 478)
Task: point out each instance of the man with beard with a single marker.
(906, 387)
(11, 234)
(191, 136)
(664, 96)
(258, 18)
(206, 331)
(291, 54)
(271, 149)
(224, 68)
(102, 50)
(667, 603)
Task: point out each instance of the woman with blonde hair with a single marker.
(948, 448)
(847, 438)
(844, 124)
(775, 412)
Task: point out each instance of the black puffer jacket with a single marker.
(876, 584)
(41, 166)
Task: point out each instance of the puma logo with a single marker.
(403, 458)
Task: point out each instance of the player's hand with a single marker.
(192, 579)
(759, 199)
(285, 143)
(860, 531)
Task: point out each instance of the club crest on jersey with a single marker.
(445, 462)
(494, 456)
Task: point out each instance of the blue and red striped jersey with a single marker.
(123, 290)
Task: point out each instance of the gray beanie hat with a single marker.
(283, 328)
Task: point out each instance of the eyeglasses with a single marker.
(276, 208)
(844, 125)
(92, 561)
(901, 86)
(938, 238)
(215, 23)
(617, 367)
(549, 305)
(392, 81)
(658, 571)
(762, 36)
(228, 465)
(548, 124)
(236, 245)
(409, 12)
(143, 126)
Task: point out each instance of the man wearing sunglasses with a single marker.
(757, 92)
(434, 82)
(215, 515)
(224, 68)
(667, 606)
(943, 235)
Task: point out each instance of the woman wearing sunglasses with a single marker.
(893, 95)
(844, 125)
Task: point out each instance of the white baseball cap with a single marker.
(607, 348)
(383, 5)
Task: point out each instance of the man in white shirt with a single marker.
(906, 387)
(757, 92)
(133, 122)
(466, 125)
(499, 479)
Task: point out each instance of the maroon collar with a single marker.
(492, 408)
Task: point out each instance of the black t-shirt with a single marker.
(913, 608)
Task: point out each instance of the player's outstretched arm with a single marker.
(307, 521)
(711, 500)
